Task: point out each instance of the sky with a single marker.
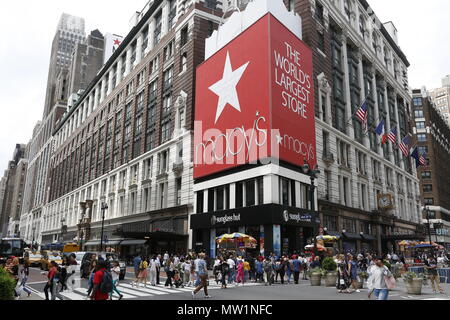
(28, 28)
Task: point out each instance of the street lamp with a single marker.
(427, 210)
(104, 208)
(32, 243)
(313, 174)
(63, 220)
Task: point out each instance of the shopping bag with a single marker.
(390, 282)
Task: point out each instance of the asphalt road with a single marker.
(302, 291)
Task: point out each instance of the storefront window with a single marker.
(350, 225)
(260, 183)
(239, 195)
(284, 187)
(250, 193)
(220, 198)
(330, 222)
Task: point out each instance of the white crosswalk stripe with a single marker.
(133, 292)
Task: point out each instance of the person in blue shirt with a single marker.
(259, 270)
(297, 264)
(136, 263)
(203, 275)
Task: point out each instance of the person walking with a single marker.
(115, 273)
(232, 273)
(169, 268)
(203, 274)
(343, 281)
(136, 263)
(377, 280)
(158, 262)
(246, 270)
(100, 273)
(187, 272)
(431, 265)
(259, 271)
(143, 273)
(268, 270)
(93, 269)
(24, 272)
(225, 269)
(353, 272)
(152, 269)
(240, 273)
(51, 281)
(296, 266)
(289, 268)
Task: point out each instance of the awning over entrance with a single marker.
(132, 242)
(352, 236)
(92, 243)
(368, 237)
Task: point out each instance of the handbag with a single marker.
(390, 282)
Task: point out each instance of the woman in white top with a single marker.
(115, 273)
(187, 265)
(152, 272)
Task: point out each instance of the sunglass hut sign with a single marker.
(255, 101)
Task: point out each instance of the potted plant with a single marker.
(7, 285)
(362, 277)
(330, 271)
(315, 276)
(414, 282)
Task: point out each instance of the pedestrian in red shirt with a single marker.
(97, 294)
(50, 282)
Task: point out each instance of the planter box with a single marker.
(316, 279)
(331, 279)
(414, 286)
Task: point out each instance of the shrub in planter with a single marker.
(315, 276)
(330, 271)
(7, 285)
(362, 276)
(414, 282)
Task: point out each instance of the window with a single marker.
(349, 225)
(418, 114)
(422, 150)
(428, 201)
(420, 124)
(327, 185)
(169, 50)
(426, 175)
(168, 78)
(250, 193)
(146, 199)
(284, 189)
(422, 137)
(184, 36)
(200, 200)
(211, 4)
(362, 26)
(239, 195)
(330, 222)
(417, 102)
(162, 195)
(158, 28)
(427, 188)
(165, 132)
(183, 63)
(260, 184)
(178, 191)
(148, 168)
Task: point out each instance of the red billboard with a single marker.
(255, 102)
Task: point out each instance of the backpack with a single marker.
(267, 267)
(107, 283)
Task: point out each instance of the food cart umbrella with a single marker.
(423, 246)
(328, 238)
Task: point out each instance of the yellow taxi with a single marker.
(34, 258)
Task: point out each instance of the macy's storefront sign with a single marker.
(255, 101)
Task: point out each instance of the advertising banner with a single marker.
(255, 102)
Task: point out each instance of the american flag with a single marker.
(422, 160)
(405, 145)
(362, 113)
(393, 136)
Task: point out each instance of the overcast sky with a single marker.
(28, 28)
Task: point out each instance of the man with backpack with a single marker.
(268, 269)
(103, 284)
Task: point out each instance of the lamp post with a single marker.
(427, 210)
(104, 208)
(32, 243)
(63, 220)
(313, 174)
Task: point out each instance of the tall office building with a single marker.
(441, 98)
(69, 32)
(433, 142)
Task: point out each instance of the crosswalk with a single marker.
(130, 292)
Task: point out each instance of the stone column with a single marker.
(348, 108)
(151, 35)
(119, 70)
(399, 138)
(139, 43)
(96, 95)
(363, 92)
(165, 18)
(110, 81)
(128, 65)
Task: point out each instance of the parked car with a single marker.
(108, 256)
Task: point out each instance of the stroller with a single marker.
(177, 280)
